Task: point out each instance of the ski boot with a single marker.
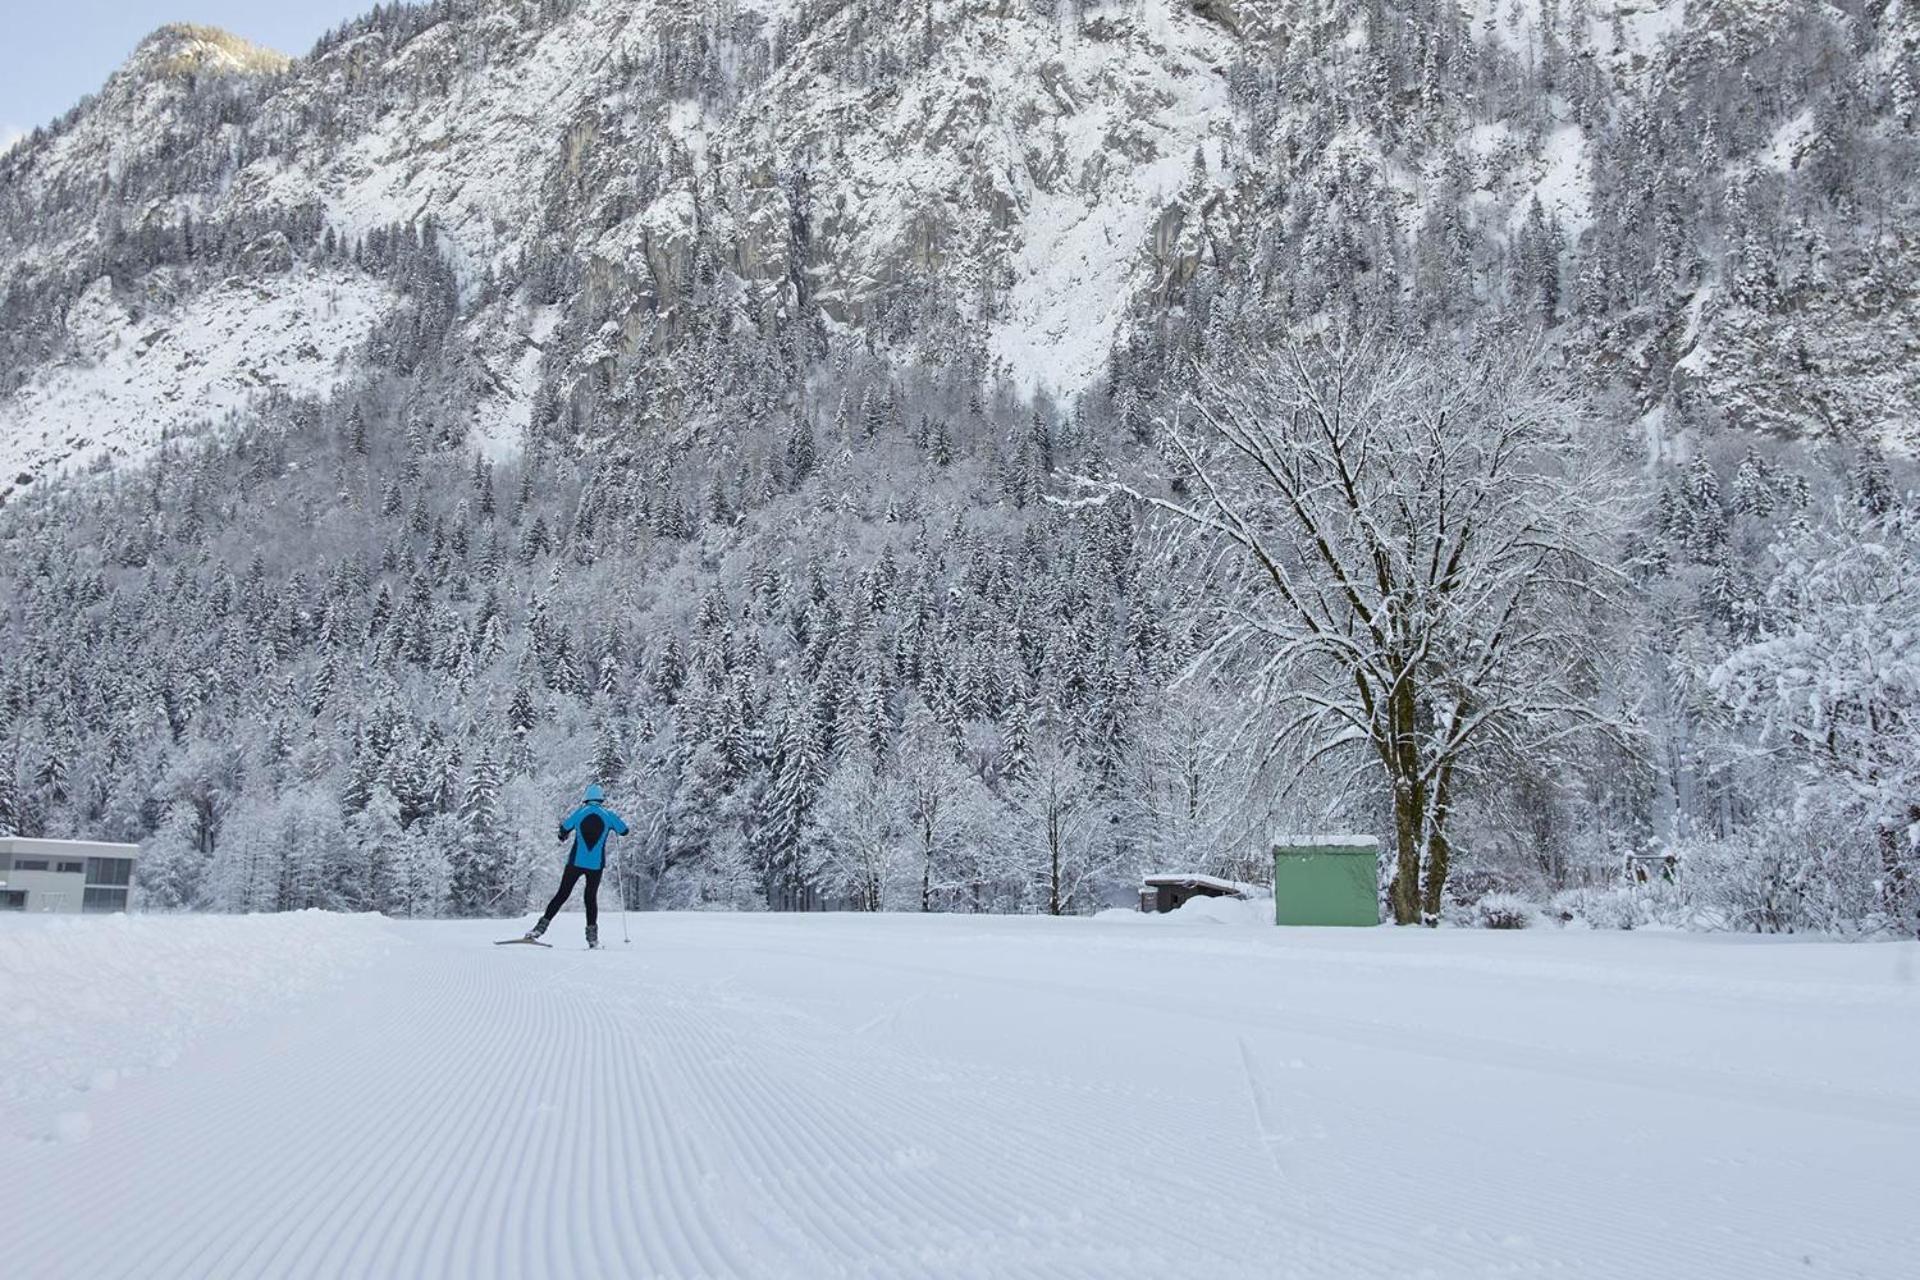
(593, 937)
(533, 934)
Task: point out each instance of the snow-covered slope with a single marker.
(131, 378)
(893, 1097)
(1039, 178)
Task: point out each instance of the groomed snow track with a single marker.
(903, 1097)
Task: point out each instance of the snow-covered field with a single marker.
(769, 1096)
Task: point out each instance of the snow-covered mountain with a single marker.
(1051, 176)
(677, 385)
(829, 158)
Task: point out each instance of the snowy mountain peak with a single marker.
(182, 49)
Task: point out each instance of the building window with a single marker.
(13, 899)
(104, 900)
(31, 864)
(110, 871)
(70, 868)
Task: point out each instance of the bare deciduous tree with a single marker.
(854, 842)
(1189, 777)
(947, 808)
(1420, 541)
(1057, 825)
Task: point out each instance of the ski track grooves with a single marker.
(1010, 1211)
(1365, 1228)
(714, 1105)
(531, 1118)
(427, 1144)
(1479, 1051)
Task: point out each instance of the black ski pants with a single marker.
(567, 880)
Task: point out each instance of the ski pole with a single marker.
(626, 939)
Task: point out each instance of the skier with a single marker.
(589, 825)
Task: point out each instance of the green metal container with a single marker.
(1327, 880)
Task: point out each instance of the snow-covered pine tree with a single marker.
(479, 880)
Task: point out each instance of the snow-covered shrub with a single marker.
(1505, 911)
(1744, 883)
(1831, 685)
(1606, 907)
(1811, 871)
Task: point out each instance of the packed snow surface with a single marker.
(772, 1096)
(86, 1002)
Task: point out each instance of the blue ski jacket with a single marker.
(589, 826)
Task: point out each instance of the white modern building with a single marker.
(64, 875)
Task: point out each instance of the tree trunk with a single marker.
(926, 865)
(1403, 892)
(1439, 852)
(1893, 867)
(1409, 805)
(1053, 847)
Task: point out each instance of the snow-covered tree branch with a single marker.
(1425, 536)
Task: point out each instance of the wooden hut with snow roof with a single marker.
(1174, 889)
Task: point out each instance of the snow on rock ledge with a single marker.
(189, 49)
(135, 379)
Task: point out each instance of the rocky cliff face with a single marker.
(611, 185)
(829, 159)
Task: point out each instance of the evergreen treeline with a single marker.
(318, 664)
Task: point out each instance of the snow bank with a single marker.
(1253, 911)
(87, 1000)
(1243, 911)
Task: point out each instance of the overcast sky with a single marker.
(57, 51)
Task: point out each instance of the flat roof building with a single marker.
(64, 875)
(1326, 880)
(1172, 890)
